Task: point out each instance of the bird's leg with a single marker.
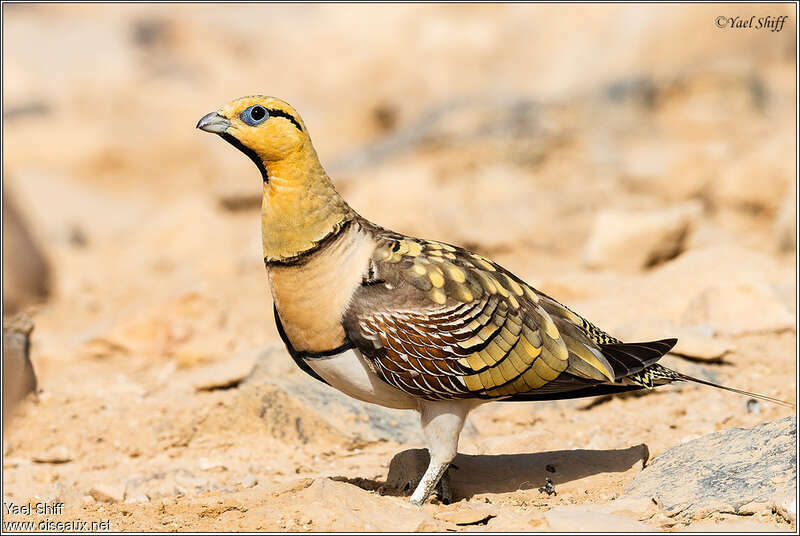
(444, 490)
(441, 423)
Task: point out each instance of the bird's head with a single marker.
(300, 205)
(266, 129)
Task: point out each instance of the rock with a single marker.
(26, 274)
(139, 498)
(87, 500)
(57, 454)
(19, 378)
(224, 374)
(249, 481)
(504, 473)
(110, 493)
(632, 240)
(695, 346)
(186, 481)
(211, 465)
(733, 525)
(461, 514)
(737, 309)
(588, 519)
(295, 404)
(291, 486)
(729, 471)
(694, 342)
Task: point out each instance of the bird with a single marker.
(410, 323)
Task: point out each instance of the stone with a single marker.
(739, 309)
(19, 377)
(733, 525)
(139, 498)
(291, 486)
(57, 454)
(223, 375)
(26, 272)
(211, 465)
(249, 481)
(109, 493)
(733, 471)
(694, 346)
(697, 342)
(632, 240)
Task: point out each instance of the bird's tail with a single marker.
(658, 375)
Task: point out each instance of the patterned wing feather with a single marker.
(440, 322)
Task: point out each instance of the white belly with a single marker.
(350, 373)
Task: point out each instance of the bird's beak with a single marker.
(213, 122)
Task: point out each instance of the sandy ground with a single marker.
(506, 129)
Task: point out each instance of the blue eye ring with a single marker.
(254, 115)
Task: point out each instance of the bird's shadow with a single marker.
(475, 474)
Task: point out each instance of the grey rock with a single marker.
(314, 403)
(19, 378)
(726, 472)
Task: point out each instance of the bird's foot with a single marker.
(443, 489)
(434, 479)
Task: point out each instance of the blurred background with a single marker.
(635, 162)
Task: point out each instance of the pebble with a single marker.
(249, 481)
(292, 486)
(110, 493)
(753, 406)
(139, 498)
(57, 454)
(207, 465)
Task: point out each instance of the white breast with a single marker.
(350, 373)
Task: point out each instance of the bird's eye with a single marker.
(255, 115)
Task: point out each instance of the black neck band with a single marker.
(251, 154)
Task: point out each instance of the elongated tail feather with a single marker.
(684, 377)
(656, 375)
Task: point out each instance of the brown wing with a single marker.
(440, 322)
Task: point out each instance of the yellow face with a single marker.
(258, 126)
